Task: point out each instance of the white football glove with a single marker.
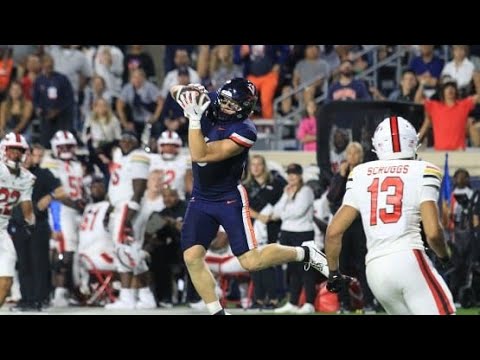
(191, 103)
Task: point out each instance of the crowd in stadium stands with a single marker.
(96, 91)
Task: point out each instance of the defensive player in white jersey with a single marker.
(68, 170)
(16, 185)
(392, 195)
(128, 181)
(95, 246)
(176, 167)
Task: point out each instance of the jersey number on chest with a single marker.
(390, 214)
(8, 199)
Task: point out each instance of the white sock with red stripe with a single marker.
(214, 307)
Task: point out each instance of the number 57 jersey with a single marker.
(388, 194)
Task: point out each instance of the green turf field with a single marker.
(471, 311)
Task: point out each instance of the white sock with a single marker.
(214, 307)
(145, 294)
(300, 253)
(127, 295)
(61, 292)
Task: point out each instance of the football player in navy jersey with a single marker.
(219, 137)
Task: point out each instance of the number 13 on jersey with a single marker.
(391, 211)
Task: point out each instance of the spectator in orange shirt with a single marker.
(447, 116)
(262, 64)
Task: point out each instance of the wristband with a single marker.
(194, 124)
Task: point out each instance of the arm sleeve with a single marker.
(431, 183)
(244, 136)
(349, 198)
(429, 194)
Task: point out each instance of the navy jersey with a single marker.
(218, 181)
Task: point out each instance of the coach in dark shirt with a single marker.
(165, 247)
(354, 248)
(33, 251)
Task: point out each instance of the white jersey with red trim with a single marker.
(92, 233)
(173, 171)
(123, 169)
(70, 174)
(13, 190)
(388, 194)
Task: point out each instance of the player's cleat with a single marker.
(146, 300)
(317, 260)
(142, 305)
(60, 302)
(120, 305)
(60, 299)
(307, 308)
(200, 305)
(286, 309)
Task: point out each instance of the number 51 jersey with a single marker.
(388, 194)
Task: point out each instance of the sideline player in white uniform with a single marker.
(176, 167)
(95, 245)
(68, 170)
(151, 202)
(95, 242)
(219, 256)
(128, 181)
(393, 195)
(16, 185)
